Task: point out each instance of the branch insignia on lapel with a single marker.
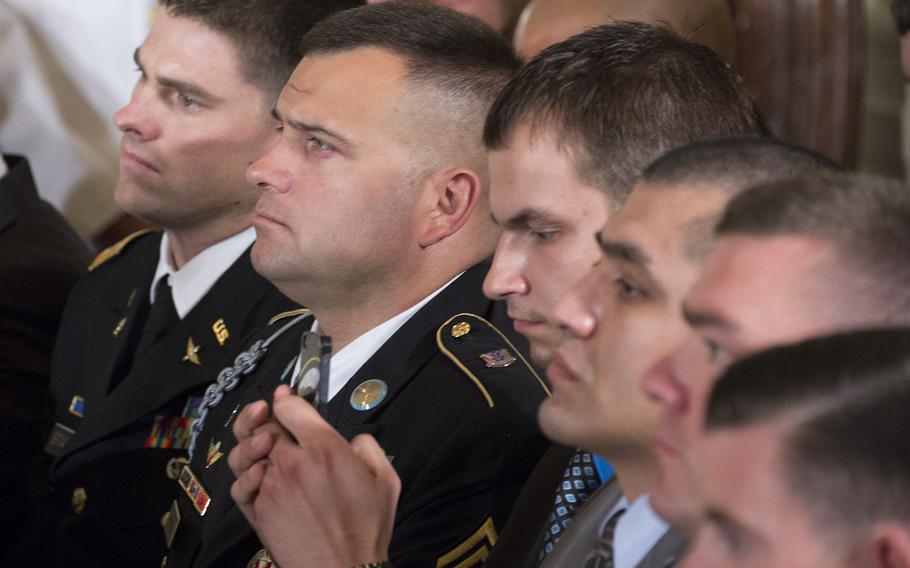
(219, 328)
(214, 454)
(192, 352)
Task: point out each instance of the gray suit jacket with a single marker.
(581, 536)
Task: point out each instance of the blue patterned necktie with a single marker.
(578, 481)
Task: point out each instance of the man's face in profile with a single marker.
(192, 125)
(754, 292)
(335, 211)
(751, 518)
(549, 218)
(622, 318)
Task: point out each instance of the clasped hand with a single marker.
(314, 499)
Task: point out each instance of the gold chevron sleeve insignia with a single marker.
(473, 551)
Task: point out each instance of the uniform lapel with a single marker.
(109, 348)
(168, 372)
(396, 362)
(407, 351)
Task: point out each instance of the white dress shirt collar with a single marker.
(195, 278)
(3, 167)
(346, 362)
(637, 531)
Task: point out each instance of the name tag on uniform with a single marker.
(60, 436)
(171, 523)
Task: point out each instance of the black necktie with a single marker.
(602, 554)
(162, 316)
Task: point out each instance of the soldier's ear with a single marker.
(448, 199)
(887, 546)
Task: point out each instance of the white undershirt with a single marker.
(352, 356)
(637, 531)
(195, 278)
(3, 167)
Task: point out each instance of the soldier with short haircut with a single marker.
(149, 326)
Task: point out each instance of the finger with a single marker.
(245, 489)
(251, 417)
(301, 419)
(250, 451)
(370, 453)
(283, 390)
(374, 458)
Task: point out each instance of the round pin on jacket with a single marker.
(369, 394)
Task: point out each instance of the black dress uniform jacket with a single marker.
(41, 257)
(521, 538)
(113, 478)
(462, 435)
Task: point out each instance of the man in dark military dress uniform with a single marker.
(562, 163)
(374, 208)
(152, 322)
(41, 257)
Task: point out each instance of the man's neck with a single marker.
(345, 321)
(635, 474)
(345, 315)
(184, 245)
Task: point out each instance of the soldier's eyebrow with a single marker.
(624, 251)
(702, 318)
(311, 128)
(524, 217)
(733, 529)
(632, 256)
(189, 89)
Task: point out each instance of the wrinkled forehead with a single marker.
(359, 87)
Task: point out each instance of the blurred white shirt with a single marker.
(65, 69)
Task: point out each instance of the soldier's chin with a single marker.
(672, 507)
(131, 198)
(555, 421)
(541, 354)
(259, 256)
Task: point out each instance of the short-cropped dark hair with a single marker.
(266, 33)
(734, 163)
(442, 49)
(730, 165)
(619, 95)
(845, 449)
(865, 218)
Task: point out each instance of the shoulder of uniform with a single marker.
(288, 314)
(487, 357)
(115, 249)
